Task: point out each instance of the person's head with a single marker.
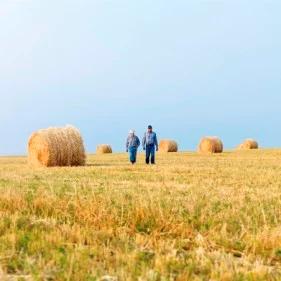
(132, 132)
(149, 128)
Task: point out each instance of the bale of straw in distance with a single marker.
(104, 148)
(168, 146)
(210, 145)
(56, 147)
(249, 144)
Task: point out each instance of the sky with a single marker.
(189, 68)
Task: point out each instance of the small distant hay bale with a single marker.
(103, 149)
(249, 144)
(56, 147)
(210, 145)
(168, 146)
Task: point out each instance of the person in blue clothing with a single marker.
(149, 144)
(132, 145)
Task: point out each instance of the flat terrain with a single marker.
(190, 217)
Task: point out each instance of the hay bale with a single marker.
(168, 146)
(104, 148)
(56, 147)
(249, 144)
(210, 145)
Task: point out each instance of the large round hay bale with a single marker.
(210, 145)
(168, 146)
(103, 149)
(249, 144)
(56, 147)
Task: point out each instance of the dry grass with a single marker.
(190, 217)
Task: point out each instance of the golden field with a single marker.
(190, 217)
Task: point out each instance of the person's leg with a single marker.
(136, 151)
(147, 154)
(152, 155)
(131, 155)
(133, 158)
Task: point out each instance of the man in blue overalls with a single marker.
(149, 143)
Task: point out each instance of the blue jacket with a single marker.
(132, 141)
(149, 139)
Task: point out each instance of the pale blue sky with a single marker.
(190, 68)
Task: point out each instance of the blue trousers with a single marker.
(133, 154)
(150, 154)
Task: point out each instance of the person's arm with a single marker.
(156, 142)
(144, 142)
(127, 144)
(138, 142)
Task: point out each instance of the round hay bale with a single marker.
(249, 144)
(168, 146)
(210, 145)
(103, 149)
(56, 147)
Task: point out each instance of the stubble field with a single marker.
(190, 217)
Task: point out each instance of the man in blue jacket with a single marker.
(149, 143)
